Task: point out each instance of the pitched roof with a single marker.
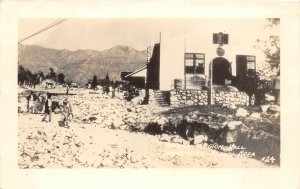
(135, 72)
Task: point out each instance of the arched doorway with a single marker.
(221, 70)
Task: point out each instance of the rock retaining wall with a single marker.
(188, 97)
(231, 97)
(181, 97)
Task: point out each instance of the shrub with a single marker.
(153, 128)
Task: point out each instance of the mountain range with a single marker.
(80, 65)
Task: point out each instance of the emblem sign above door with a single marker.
(220, 51)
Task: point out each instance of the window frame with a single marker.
(197, 69)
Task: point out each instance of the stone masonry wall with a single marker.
(181, 97)
(231, 97)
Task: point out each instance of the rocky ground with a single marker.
(108, 132)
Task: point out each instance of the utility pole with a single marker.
(149, 55)
(210, 95)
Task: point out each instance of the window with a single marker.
(189, 62)
(200, 56)
(250, 58)
(194, 69)
(200, 63)
(189, 55)
(245, 67)
(194, 63)
(250, 65)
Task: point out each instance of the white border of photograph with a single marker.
(287, 176)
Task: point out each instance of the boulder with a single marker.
(193, 113)
(232, 106)
(117, 123)
(189, 103)
(233, 124)
(188, 119)
(194, 117)
(255, 115)
(162, 121)
(124, 127)
(224, 124)
(274, 108)
(269, 98)
(200, 139)
(231, 137)
(241, 112)
(264, 108)
(224, 105)
(229, 117)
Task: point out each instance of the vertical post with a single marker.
(184, 60)
(149, 55)
(210, 95)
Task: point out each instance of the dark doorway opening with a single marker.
(221, 71)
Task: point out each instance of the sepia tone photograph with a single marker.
(148, 93)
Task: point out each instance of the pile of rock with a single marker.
(116, 113)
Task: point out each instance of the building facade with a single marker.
(184, 59)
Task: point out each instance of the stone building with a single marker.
(173, 64)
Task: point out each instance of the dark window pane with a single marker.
(190, 69)
(199, 62)
(199, 70)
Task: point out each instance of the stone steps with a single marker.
(160, 98)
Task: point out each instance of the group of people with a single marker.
(43, 103)
(131, 92)
(35, 103)
(107, 89)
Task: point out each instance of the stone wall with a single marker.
(181, 97)
(230, 97)
(188, 97)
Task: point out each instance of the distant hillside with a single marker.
(81, 65)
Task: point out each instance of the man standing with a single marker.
(67, 93)
(30, 102)
(48, 108)
(66, 111)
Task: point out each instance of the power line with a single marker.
(59, 21)
(44, 29)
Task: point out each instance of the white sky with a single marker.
(101, 34)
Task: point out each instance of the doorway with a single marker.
(221, 70)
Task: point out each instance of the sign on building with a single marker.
(220, 38)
